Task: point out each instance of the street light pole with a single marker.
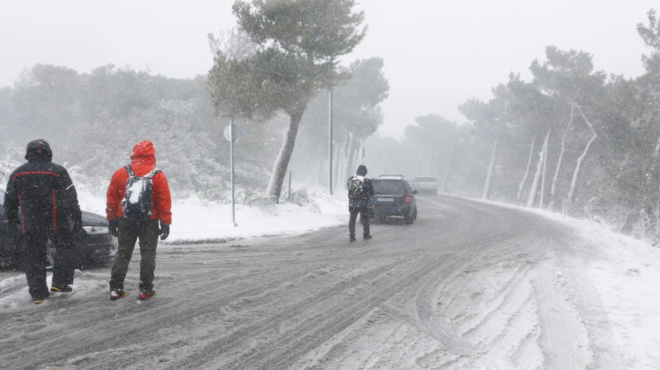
(330, 139)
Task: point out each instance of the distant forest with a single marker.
(572, 140)
(93, 120)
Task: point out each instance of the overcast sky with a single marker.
(437, 53)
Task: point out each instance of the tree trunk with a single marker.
(282, 162)
(350, 167)
(450, 167)
(580, 161)
(521, 187)
(433, 168)
(340, 158)
(553, 187)
(491, 170)
(445, 179)
(545, 167)
(531, 200)
(654, 178)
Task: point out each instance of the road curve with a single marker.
(469, 285)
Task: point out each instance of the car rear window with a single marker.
(388, 187)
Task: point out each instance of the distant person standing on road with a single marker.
(42, 204)
(138, 207)
(360, 200)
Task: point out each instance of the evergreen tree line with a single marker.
(572, 140)
(93, 120)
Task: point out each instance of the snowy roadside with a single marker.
(626, 278)
(625, 273)
(196, 221)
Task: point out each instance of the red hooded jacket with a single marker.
(143, 160)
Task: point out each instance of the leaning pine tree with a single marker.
(297, 43)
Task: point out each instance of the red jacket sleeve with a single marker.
(115, 194)
(161, 199)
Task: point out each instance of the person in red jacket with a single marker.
(127, 231)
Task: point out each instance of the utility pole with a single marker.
(330, 139)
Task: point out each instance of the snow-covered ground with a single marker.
(194, 220)
(624, 271)
(626, 276)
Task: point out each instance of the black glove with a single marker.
(77, 226)
(164, 231)
(113, 227)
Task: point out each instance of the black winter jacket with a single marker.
(41, 196)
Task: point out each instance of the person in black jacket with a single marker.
(42, 203)
(360, 203)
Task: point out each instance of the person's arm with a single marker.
(162, 199)
(11, 202)
(370, 194)
(113, 196)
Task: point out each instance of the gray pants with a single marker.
(128, 232)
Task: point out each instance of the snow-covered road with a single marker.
(470, 285)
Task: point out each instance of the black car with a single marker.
(94, 244)
(393, 197)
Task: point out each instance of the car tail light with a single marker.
(408, 199)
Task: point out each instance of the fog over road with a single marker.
(468, 285)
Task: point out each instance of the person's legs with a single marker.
(351, 222)
(127, 233)
(32, 246)
(64, 260)
(364, 215)
(148, 243)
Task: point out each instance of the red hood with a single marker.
(144, 153)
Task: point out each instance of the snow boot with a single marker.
(117, 294)
(61, 289)
(146, 294)
(39, 299)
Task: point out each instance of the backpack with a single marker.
(136, 204)
(355, 188)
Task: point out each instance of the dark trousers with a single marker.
(128, 232)
(364, 217)
(33, 251)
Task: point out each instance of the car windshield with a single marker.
(388, 187)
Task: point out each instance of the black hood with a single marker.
(39, 151)
(361, 170)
